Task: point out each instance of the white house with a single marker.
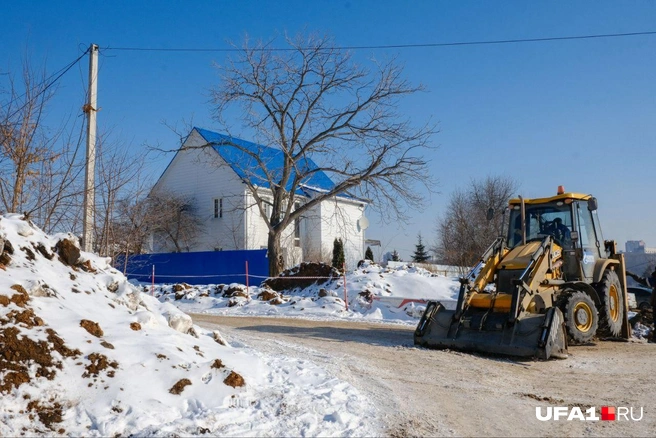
(213, 175)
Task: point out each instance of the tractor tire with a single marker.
(611, 311)
(581, 317)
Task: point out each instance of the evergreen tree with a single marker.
(369, 254)
(420, 255)
(338, 254)
(395, 256)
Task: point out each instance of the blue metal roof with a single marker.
(246, 166)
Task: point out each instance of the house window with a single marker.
(297, 232)
(297, 228)
(218, 208)
(267, 210)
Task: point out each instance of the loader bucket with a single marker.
(539, 336)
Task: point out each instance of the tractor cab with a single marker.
(570, 219)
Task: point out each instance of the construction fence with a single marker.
(207, 267)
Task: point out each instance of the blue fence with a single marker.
(210, 267)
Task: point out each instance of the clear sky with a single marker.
(576, 113)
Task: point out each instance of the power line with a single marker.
(47, 83)
(394, 46)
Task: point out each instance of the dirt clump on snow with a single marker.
(181, 290)
(47, 414)
(217, 364)
(25, 317)
(20, 353)
(135, 326)
(218, 338)
(92, 327)
(235, 290)
(20, 298)
(267, 295)
(233, 303)
(5, 256)
(180, 287)
(289, 279)
(43, 250)
(367, 295)
(234, 380)
(179, 386)
(29, 253)
(68, 252)
(98, 363)
(86, 266)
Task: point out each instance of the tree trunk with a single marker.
(18, 187)
(276, 262)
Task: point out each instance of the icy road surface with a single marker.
(443, 393)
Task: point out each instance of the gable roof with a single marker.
(247, 167)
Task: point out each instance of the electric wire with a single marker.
(392, 46)
(46, 84)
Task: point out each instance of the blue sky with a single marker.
(575, 113)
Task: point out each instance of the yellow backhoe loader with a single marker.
(550, 281)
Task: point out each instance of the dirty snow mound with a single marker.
(84, 352)
(372, 293)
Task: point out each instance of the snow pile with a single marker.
(85, 353)
(640, 331)
(372, 292)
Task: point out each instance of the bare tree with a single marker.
(119, 180)
(174, 218)
(132, 223)
(464, 232)
(317, 106)
(58, 190)
(25, 145)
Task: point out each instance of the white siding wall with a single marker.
(258, 233)
(340, 219)
(256, 229)
(312, 229)
(201, 174)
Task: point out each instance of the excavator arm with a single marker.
(497, 321)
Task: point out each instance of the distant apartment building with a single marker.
(639, 259)
(638, 247)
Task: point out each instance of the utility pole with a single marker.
(90, 108)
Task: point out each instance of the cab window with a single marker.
(586, 227)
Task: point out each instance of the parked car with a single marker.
(641, 297)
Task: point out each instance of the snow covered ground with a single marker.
(86, 353)
(374, 293)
